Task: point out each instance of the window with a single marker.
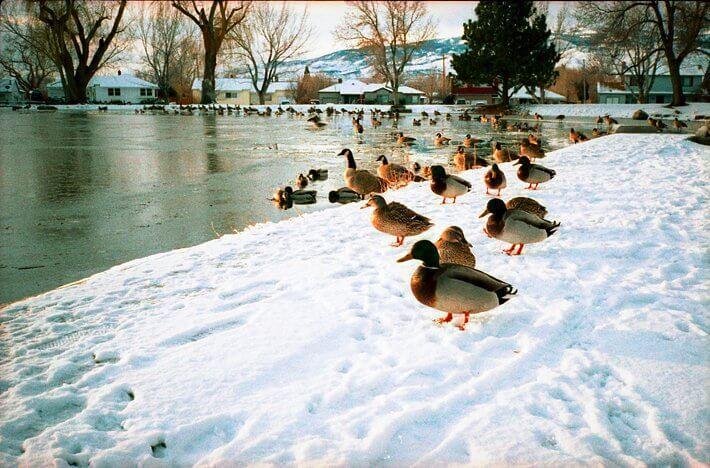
(228, 95)
(146, 92)
(114, 91)
(687, 81)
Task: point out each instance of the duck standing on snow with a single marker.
(501, 155)
(451, 288)
(447, 185)
(526, 204)
(343, 195)
(395, 174)
(441, 140)
(516, 227)
(361, 181)
(454, 248)
(494, 179)
(396, 219)
(533, 173)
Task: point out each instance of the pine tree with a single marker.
(508, 46)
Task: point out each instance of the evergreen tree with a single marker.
(508, 46)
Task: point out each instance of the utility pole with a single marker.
(584, 84)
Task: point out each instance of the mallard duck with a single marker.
(401, 139)
(315, 121)
(516, 227)
(416, 123)
(318, 174)
(441, 140)
(660, 125)
(447, 185)
(299, 197)
(395, 174)
(533, 140)
(678, 124)
(596, 133)
(599, 120)
(537, 116)
(577, 137)
(451, 288)
(423, 172)
(533, 173)
(560, 117)
(357, 127)
(448, 116)
(396, 219)
(425, 114)
(526, 204)
(361, 181)
(465, 161)
(301, 181)
(343, 195)
(530, 150)
(501, 155)
(609, 120)
(494, 179)
(454, 248)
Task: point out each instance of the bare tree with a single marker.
(163, 32)
(83, 39)
(306, 88)
(431, 84)
(22, 55)
(223, 16)
(677, 23)
(390, 32)
(267, 38)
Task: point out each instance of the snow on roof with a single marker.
(113, 81)
(241, 84)
(522, 93)
(355, 87)
(601, 88)
(693, 65)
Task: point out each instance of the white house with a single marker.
(117, 88)
(522, 96)
(241, 91)
(354, 91)
(10, 92)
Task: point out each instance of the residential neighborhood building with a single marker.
(10, 92)
(467, 94)
(626, 90)
(357, 92)
(522, 96)
(241, 91)
(119, 88)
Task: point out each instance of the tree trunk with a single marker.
(262, 98)
(676, 82)
(505, 99)
(208, 81)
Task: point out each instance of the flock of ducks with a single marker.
(447, 279)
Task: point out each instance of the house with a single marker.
(471, 94)
(357, 92)
(522, 96)
(119, 88)
(691, 73)
(241, 91)
(10, 92)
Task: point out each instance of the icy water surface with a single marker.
(82, 191)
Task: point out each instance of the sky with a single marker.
(325, 16)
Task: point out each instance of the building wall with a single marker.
(128, 95)
(474, 98)
(381, 96)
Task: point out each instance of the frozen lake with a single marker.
(83, 191)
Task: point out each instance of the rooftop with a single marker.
(113, 81)
(356, 88)
(241, 84)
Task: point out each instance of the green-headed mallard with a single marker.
(343, 195)
(516, 227)
(531, 151)
(494, 179)
(396, 219)
(395, 174)
(447, 185)
(439, 139)
(533, 173)
(363, 182)
(526, 204)
(454, 248)
(318, 174)
(451, 288)
(300, 197)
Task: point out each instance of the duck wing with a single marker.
(530, 219)
(460, 180)
(475, 277)
(544, 169)
(401, 213)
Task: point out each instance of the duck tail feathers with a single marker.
(506, 293)
(552, 229)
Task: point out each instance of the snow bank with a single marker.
(620, 110)
(299, 342)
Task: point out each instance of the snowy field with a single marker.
(300, 342)
(621, 111)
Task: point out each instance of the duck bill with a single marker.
(485, 212)
(406, 258)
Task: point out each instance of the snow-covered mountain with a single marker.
(352, 63)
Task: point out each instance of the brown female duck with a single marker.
(494, 179)
(396, 219)
(454, 248)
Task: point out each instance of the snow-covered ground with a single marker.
(620, 110)
(300, 342)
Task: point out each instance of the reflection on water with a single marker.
(81, 192)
